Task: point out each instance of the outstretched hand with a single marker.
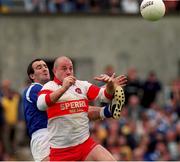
(111, 85)
(120, 80)
(104, 78)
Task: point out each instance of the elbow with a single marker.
(41, 104)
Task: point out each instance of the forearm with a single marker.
(54, 96)
(99, 113)
(110, 88)
(47, 99)
(94, 113)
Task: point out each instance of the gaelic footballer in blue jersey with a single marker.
(36, 120)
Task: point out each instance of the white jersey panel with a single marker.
(71, 129)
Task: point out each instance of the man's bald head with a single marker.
(61, 59)
(63, 67)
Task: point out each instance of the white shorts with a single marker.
(40, 147)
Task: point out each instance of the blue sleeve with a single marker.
(32, 93)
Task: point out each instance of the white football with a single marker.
(152, 9)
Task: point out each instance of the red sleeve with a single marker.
(93, 92)
(47, 96)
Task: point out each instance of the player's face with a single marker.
(41, 72)
(64, 69)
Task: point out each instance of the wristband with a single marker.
(105, 112)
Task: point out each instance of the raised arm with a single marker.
(48, 97)
(67, 82)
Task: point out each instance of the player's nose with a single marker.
(45, 69)
(68, 72)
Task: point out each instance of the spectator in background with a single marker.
(160, 153)
(177, 128)
(68, 6)
(1, 130)
(114, 6)
(172, 104)
(172, 145)
(64, 6)
(175, 89)
(96, 6)
(138, 154)
(82, 6)
(151, 87)
(170, 5)
(134, 108)
(130, 6)
(36, 5)
(134, 84)
(6, 6)
(124, 148)
(0, 5)
(1, 117)
(10, 103)
(178, 6)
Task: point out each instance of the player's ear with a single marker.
(32, 76)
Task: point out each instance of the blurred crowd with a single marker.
(148, 130)
(13, 134)
(149, 127)
(79, 6)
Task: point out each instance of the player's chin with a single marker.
(46, 78)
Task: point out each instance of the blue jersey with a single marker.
(35, 119)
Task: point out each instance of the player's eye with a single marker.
(64, 68)
(45, 66)
(38, 67)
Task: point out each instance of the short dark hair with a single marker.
(30, 69)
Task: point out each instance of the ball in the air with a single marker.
(152, 9)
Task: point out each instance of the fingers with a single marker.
(102, 77)
(71, 79)
(68, 81)
(113, 75)
(121, 80)
(111, 79)
(121, 77)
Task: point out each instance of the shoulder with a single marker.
(81, 83)
(49, 85)
(33, 88)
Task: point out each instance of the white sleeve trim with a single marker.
(41, 103)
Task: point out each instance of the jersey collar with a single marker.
(56, 80)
